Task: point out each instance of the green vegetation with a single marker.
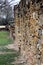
(4, 38)
(4, 49)
(9, 56)
(6, 59)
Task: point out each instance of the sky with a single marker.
(14, 2)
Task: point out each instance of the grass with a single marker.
(4, 38)
(6, 59)
(4, 49)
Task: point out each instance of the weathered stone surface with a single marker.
(28, 32)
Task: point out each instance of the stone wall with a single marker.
(28, 31)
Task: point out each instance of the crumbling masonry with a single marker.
(28, 18)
